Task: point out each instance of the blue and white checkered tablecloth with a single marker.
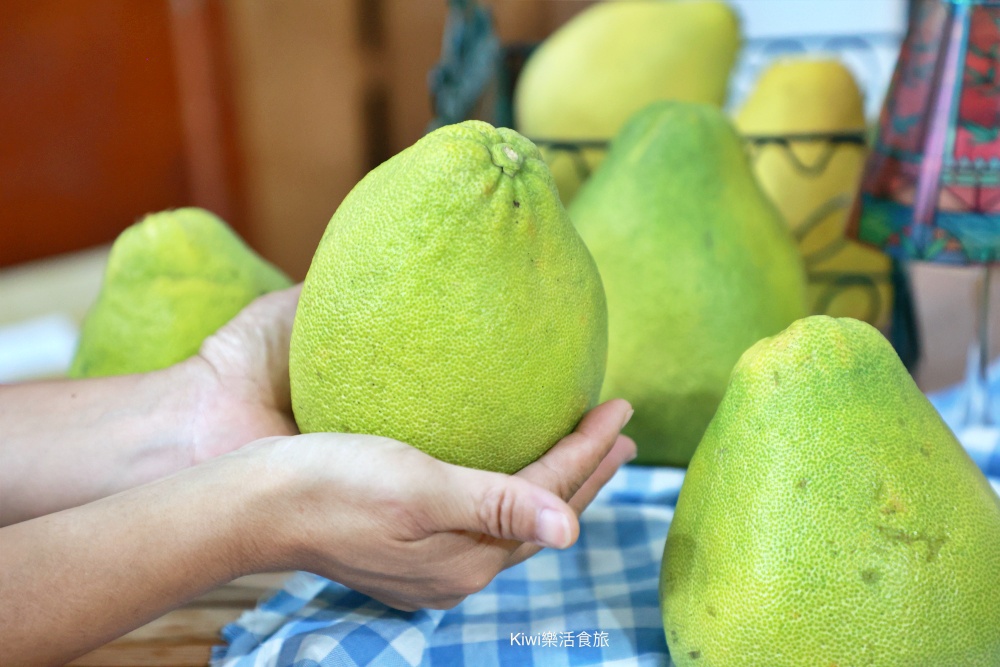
(595, 603)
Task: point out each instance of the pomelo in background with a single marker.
(452, 305)
(697, 264)
(813, 182)
(830, 517)
(172, 280)
(614, 58)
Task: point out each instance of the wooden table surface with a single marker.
(185, 636)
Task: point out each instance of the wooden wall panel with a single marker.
(299, 76)
(412, 46)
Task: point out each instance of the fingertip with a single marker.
(612, 414)
(623, 408)
(554, 529)
(620, 404)
(629, 449)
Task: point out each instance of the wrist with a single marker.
(227, 409)
(151, 418)
(219, 422)
(265, 537)
(201, 390)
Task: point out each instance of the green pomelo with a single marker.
(829, 517)
(697, 263)
(171, 281)
(451, 305)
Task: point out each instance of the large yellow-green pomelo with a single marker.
(829, 517)
(451, 305)
(697, 263)
(611, 60)
(172, 280)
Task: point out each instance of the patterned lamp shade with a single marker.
(931, 188)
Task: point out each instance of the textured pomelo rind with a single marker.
(697, 265)
(830, 517)
(172, 279)
(451, 305)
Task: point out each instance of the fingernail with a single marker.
(632, 456)
(627, 418)
(553, 529)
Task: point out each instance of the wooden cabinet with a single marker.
(327, 90)
(94, 128)
(264, 111)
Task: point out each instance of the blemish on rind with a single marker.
(870, 576)
(934, 544)
(893, 506)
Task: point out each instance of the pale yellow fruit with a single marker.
(813, 182)
(615, 58)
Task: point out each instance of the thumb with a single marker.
(505, 507)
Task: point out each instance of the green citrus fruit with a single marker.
(172, 280)
(697, 263)
(829, 517)
(451, 305)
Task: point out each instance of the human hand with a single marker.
(68, 442)
(243, 390)
(404, 528)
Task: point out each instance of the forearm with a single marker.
(74, 580)
(65, 443)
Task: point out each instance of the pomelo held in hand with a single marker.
(451, 305)
(172, 280)
(829, 517)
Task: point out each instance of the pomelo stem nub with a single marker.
(505, 157)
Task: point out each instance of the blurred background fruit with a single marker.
(614, 58)
(697, 264)
(171, 281)
(805, 125)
